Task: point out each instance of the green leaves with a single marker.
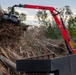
(53, 33)
(42, 17)
(72, 27)
(50, 29)
(21, 16)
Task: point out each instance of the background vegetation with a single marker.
(49, 26)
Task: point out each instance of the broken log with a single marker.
(9, 62)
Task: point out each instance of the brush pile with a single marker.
(10, 34)
(17, 43)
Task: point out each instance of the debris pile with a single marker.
(10, 34)
(17, 43)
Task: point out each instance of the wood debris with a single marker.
(16, 43)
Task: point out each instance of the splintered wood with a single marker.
(17, 43)
(10, 34)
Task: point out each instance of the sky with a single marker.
(31, 12)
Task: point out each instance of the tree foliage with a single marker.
(68, 11)
(72, 27)
(42, 17)
(50, 29)
(52, 32)
(21, 16)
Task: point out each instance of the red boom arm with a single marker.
(59, 24)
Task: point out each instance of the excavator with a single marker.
(58, 66)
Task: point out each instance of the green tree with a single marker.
(16, 13)
(65, 12)
(68, 11)
(50, 30)
(42, 17)
(21, 16)
(9, 9)
(71, 20)
(72, 27)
